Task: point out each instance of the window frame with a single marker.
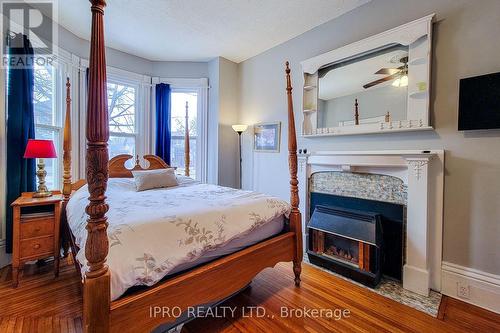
(198, 128)
(143, 108)
(199, 85)
(57, 123)
(113, 79)
(65, 66)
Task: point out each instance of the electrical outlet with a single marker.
(463, 290)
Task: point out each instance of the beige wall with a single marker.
(466, 43)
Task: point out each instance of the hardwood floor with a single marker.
(41, 303)
(44, 304)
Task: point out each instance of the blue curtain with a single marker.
(20, 127)
(163, 132)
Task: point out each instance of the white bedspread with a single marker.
(152, 232)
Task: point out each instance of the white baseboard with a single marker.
(483, 288)
(416, 280)
(4, 257)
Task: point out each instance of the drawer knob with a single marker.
(36, 246)
(37, 229)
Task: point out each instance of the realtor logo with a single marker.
(33, 19)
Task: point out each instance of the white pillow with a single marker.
(148, 179)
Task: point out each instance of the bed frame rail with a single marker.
(207, 283)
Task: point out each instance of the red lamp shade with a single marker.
(40, 149)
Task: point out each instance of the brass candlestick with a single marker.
(42, 191)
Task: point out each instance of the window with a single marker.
(195, 93)
(178, 121)
(48, 118)
(122, 119)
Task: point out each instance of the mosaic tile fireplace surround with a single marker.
(374, 203)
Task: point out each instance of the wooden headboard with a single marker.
(117, 167)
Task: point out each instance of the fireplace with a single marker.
(346, 241)
(415, 211)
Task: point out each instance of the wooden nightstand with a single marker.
(36, 231)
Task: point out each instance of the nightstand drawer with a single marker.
(30, 228)
(36, 246)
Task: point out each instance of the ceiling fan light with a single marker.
(404, 81)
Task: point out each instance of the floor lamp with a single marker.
(240, 129)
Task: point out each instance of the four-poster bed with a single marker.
(200, 285)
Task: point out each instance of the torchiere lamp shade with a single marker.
(40, 149)
(239, 128)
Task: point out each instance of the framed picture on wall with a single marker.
(266, 137)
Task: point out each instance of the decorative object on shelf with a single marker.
(387, 117)
(267, 137)
(239, 129)
(356, 112)
(421, 86)
(40, 149)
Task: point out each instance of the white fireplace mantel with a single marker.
(422, 171)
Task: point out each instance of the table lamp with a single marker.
(40, 149)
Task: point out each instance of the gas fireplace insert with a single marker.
(346, 241)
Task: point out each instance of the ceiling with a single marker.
(198, 30)
(349, 79)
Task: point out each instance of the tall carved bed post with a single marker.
(67, 186)
(295, 217)
(96, 289)
(66, 169)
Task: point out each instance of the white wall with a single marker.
(118, 59)
(228, 116)
(223, 103)
(213, 121)
(466, 43)
(182, 69)
(114, 58)
(371, 103)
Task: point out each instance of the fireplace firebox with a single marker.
(346, 241)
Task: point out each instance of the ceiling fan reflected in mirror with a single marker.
(399, 74)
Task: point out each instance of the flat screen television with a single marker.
(479, 102)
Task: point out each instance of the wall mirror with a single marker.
(379, 84)
(368, 89)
